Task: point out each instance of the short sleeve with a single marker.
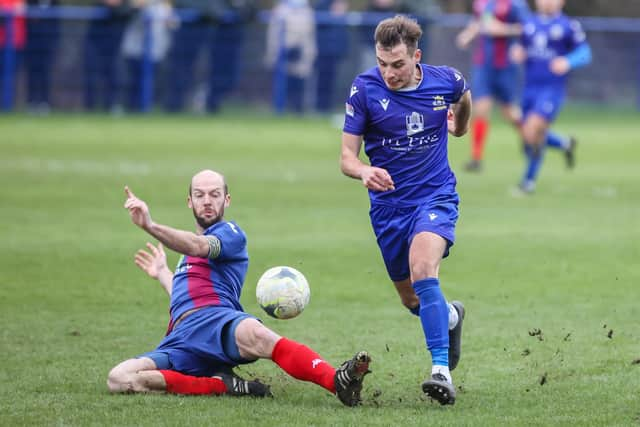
(459, 83)
(232, 239)
(356, 114)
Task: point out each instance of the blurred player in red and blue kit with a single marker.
(551, 46)
(496, 26)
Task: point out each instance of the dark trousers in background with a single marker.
(326, 68)
(39, 55)
(102, 55)
(8, 77)
(223, 44)
(135, 71)
(295, 94)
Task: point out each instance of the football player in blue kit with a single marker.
(495, 26)
(551, 46)
(209, 333)
(403, 111)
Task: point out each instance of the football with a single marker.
(283, 292)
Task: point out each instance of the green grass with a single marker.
(564, 261)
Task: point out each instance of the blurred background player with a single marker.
(291, 51)
(552, 46)
(403, 111)
(209, 333)
(496, 26)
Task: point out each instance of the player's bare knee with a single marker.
(424, 270)
(117, 381)
(254, 339)
(265, 340)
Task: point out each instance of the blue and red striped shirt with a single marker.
(494, 51)
(201, 282)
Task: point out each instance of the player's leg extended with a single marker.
(513, 114)
(411, 301)
(534, 130)
(136, 375)
(425, 255)
(257, 341)
(142, 375)
(566, 144)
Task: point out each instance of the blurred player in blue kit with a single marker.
(496, 25)
(209, 332)
(403, 111)
(551, 46)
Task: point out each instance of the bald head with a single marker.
(208, 198)
(206, 179)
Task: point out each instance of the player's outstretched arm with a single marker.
(154, 263)
(466, 36)
(495, 28)
(184, 242)
(376, 179)
(458, 120)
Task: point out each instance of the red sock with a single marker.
(178, 383)
(304, 364)
(479, 135)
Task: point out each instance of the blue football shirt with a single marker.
(544, 39)
(405, 132)
(200, 282)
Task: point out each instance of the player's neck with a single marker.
(417, 76)
(415, 80)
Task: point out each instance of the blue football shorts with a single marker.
(202, 344)
(498, 83)
(395, 228)
(544, 101)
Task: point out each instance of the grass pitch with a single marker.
(550, 282)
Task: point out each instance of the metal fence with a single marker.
(74, 62)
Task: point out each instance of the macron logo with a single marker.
(316, 362)
(458, 76)
(354, 90)
(432, 216)
(384, 103)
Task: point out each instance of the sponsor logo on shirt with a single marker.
(415, 123)
(349, 109)
(439, 103)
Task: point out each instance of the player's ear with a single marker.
(417, 55)
(189, 202)
(227, 200)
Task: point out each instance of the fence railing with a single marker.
(627, 48)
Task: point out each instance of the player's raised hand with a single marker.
(152, 262)
(559, 66)
(377, 179)
(138, 209)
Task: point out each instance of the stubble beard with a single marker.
(206, 223)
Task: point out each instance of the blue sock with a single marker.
(434, 315)
(535, 157)
(557, 141)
